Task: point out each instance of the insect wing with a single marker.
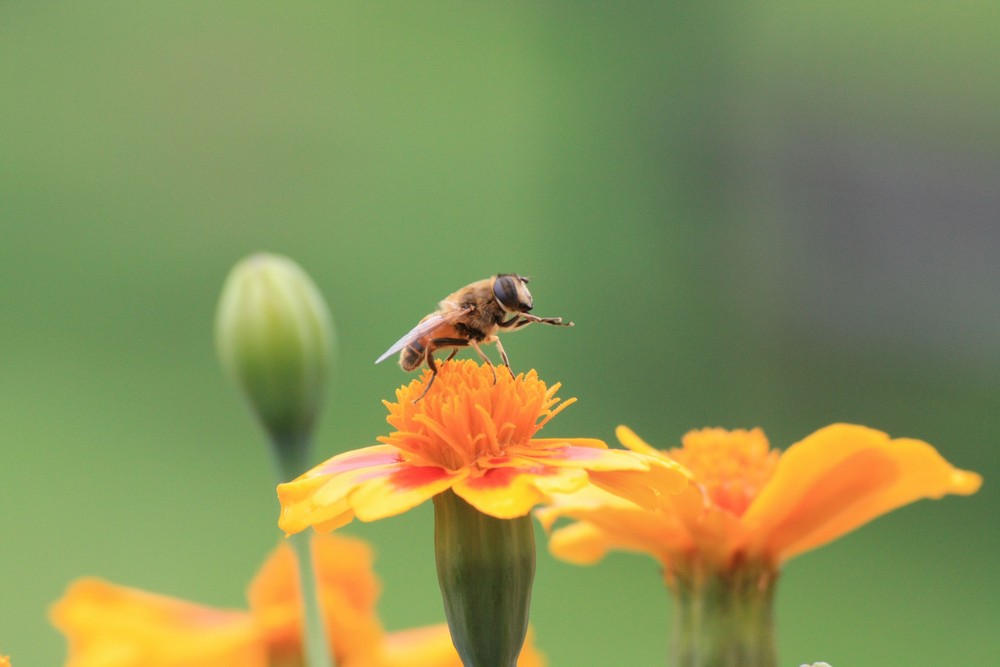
(425, 326)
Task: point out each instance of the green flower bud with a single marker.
(485, 568)
(273, 333)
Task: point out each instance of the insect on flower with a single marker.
(470, 316)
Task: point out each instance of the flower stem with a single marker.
(291, 460)
(317, 649)
(485, 568)
(724, 619)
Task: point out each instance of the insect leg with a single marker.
(449, 342)
(528, 317)
(434, 373)
(484, 358)
(433, 344)
(503, 354)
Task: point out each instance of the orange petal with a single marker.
(717, 534)
(583, 543)
(431, 646)
(610, 522)
(513, 490)
(646, 488)
(420, 647)
(114, 626)
(348, 592)
(841, 477)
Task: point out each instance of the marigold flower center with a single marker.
(731, 466)
(467, 415)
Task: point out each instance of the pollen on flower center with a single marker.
(732, 466)
(466, 415)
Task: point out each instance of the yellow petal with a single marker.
(838, 479)
(514, 489)
(631, 441)
(115, 626)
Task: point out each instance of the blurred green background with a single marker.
(770, 214)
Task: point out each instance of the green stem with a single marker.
(291, 460)
(724, 619)
(485, 568)
(317, 649)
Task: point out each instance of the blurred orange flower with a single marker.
(474, 433)
(749, 503)
(114, 626)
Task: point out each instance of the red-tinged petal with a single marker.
(402, 490)
(115, 626)
(320, 497)
(371, 483)
(574, 456)
(367, 457)
(841, 477)
(510, 492)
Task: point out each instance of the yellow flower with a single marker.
(4, 661)
(749, 503)
(473, 433)
(114, 626)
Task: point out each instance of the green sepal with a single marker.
(724, 618)
(485, 568)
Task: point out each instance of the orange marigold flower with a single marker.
(747, 502)
(113, 626)
(747, 509)
(474, 433)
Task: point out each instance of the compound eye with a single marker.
(505, 290)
